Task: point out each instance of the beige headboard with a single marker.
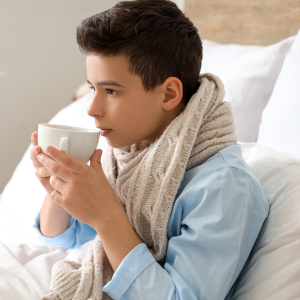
(246, 22)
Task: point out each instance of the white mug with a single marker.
(77, 142)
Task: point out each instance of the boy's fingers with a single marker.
(35, 136)
(33, 156)
(38, 149)
(34, 139)
(43, 172)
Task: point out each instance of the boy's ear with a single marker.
(173, 93)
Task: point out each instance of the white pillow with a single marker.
(280, 127)
(23, 195)
(249, 74)
(273, 271)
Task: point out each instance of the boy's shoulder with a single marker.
(229, 158)
(221, 186)
(226, 166)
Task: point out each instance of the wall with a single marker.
(180, 4)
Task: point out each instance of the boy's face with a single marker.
(131, 113)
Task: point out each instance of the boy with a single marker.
(161, 121)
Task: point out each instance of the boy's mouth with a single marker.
(104, 132)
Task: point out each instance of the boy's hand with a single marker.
(42, 173)
(82, 190)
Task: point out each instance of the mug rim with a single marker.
(69, 128)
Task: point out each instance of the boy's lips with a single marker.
(104, 131)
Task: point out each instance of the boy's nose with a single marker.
(94, 109)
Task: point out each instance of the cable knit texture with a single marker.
(146, 178)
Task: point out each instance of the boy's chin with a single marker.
(117, 145)
(123, 145)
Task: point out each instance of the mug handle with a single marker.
(64, 144)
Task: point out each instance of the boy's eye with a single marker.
(92, 88)
(112, 91)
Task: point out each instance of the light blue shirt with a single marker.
(217, 215)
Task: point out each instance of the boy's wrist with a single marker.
(114, 214)
(118, 236)
(54, 220)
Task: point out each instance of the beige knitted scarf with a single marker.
(146, 178)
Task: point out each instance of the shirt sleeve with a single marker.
(217, 229)
(74, 236)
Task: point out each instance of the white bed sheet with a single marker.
(25, 269)
(25, 264)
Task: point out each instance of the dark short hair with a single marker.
(155, 36)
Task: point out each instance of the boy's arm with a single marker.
(53, 218)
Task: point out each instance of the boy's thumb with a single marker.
(96, 159)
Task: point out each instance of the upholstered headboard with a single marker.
(246, 22)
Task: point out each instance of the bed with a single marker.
(254, 47)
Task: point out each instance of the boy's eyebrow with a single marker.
(107, 82)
